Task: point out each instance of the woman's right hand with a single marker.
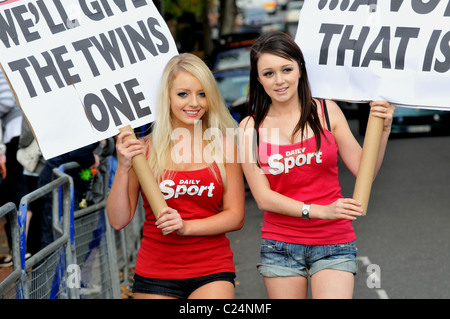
(343, 208)
(126, 150)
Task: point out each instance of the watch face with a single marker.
(305, 214)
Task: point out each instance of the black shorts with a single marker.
(178, 288)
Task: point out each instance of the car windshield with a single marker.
(236, 58)
(295, 5)
(233, 87)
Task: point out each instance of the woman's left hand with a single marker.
(385, 110)
(169, 220)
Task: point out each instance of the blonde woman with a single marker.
(196, 166)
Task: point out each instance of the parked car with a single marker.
(232, 58)
(270, 6)
(233, 85)
(273, 23)
(233, 50)
(231, 69)
(254, 16)
(282, 4)
(413, 120)
(293, 9)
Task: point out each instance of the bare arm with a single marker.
(3, 165)
(349, 149)
(123, 196)
(386, 111)
(270, 200)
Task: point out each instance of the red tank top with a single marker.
(195, 195)
(295, 170)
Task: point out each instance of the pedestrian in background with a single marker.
(12, 185)
(30, 157)
(204, 190)
(290, 163)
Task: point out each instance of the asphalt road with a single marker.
(403, 241)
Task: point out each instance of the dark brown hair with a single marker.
(282, 45)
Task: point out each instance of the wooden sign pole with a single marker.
(146, 178)
(367, 166)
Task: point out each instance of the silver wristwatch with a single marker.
(305, 211)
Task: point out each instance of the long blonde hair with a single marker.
(217, 115)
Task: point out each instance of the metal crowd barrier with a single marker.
(46, 270)
(12, 286)
(95, 248)
(42, 275)
(87, 257)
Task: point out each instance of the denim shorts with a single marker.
(280, 259)
(178, 288)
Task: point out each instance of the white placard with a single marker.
(83, 69)
(361, 50)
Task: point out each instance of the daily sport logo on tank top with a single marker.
(191, 187)
(280, 163)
